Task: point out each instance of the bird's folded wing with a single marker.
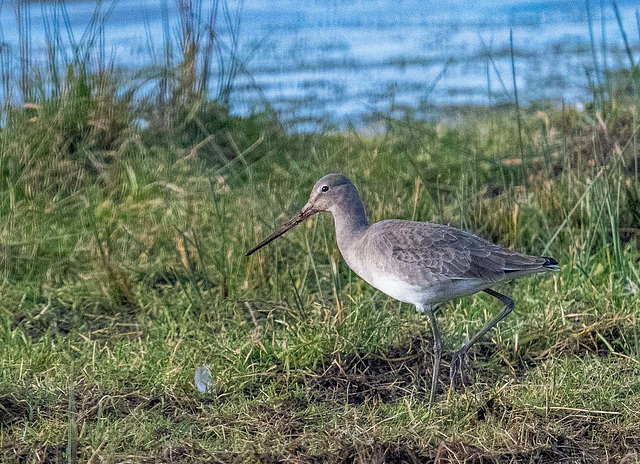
(439, 251)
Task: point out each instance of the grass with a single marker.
(123, 270)
(119, 284)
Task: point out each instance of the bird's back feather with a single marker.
(423, 251)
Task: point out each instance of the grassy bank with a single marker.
(124, 270)
(124, 223)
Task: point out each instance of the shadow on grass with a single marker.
(560, 449)
(405, 370)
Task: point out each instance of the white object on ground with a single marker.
(203, 380)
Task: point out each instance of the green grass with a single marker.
(123, 270)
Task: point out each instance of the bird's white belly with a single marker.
(399, 289)
(424, 294)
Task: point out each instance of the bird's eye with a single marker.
(325, 188)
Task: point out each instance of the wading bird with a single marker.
(416, 262)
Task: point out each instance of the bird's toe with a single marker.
(457, 366)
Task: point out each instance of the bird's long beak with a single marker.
(306, 212)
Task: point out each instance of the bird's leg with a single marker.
(458, 359)
(437, 351)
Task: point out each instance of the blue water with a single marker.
(334, 61)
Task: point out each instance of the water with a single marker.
(332, 62)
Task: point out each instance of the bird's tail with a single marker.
(551, 264)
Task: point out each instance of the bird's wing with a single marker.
(446, 252)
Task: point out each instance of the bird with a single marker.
(420, 263)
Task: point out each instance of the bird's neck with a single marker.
(350, 220)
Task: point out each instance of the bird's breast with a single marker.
(376, 273)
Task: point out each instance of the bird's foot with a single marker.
(458, 362)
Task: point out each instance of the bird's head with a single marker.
(328, 192)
